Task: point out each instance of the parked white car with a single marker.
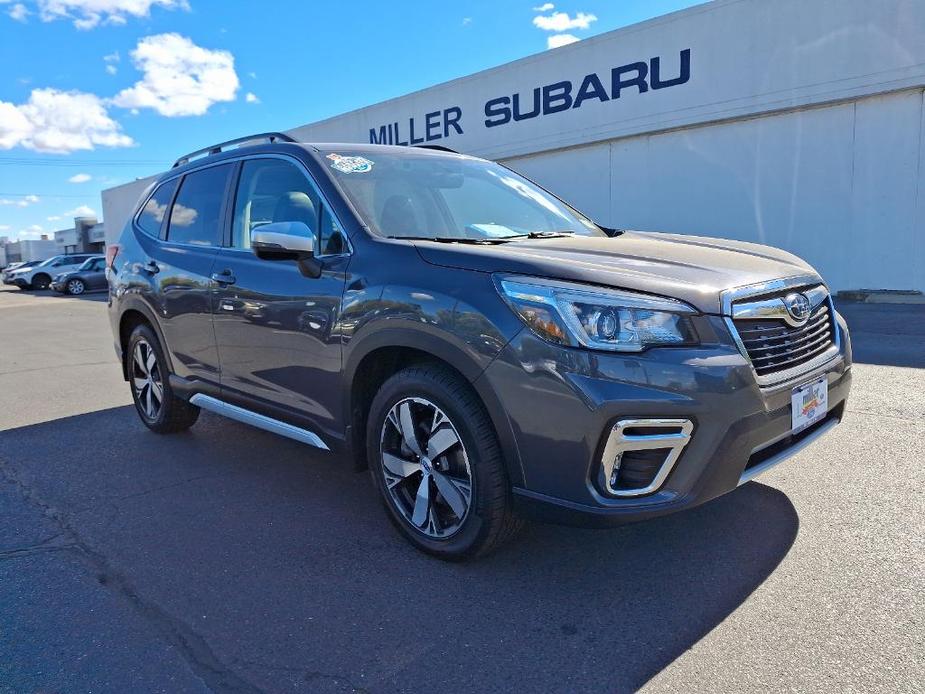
(40, 276)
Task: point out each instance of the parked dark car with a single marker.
(489, 352)
(91, 276)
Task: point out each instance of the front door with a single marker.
(276, 332)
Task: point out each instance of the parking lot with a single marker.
(230, 559)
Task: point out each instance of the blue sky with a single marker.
(94, 93)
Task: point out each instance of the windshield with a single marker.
(48, 262)
(421, 194)
(88, 264)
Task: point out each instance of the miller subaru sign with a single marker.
(594, 89)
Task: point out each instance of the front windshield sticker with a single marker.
(350, 164)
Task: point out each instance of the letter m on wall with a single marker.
(377, 138)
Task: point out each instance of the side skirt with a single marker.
(239, 414)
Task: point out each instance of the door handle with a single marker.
(224, 277)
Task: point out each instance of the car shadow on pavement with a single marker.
(281, 559)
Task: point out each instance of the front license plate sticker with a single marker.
(809, 404)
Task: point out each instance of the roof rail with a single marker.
(219, 148)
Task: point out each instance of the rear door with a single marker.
(181, 265)
(276, 329)
(94, 276)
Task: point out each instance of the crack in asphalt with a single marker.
(309, 675)
(192, 647)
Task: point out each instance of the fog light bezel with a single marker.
(620, 442)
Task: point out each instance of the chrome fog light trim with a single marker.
(620, 442)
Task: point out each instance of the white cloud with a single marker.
(19, 12)
(53, 218)
(79, 178)
(466, 21)
(87, 14)
(59, 122)
(252, 75)
(179, 77)
(79, 211)
(111, 61)
(557, 40)
(561, 21)
(33, 230)
(545, 7)
(251, 98)
(5, 227)
(24, 201)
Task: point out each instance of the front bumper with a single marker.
(563, 403)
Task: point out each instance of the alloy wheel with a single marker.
(426, 468)
(146, 379)
(75, 287)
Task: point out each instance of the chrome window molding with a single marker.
(813, 286)
(619, 442)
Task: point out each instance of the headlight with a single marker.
(571, 314)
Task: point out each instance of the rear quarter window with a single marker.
(152, 214)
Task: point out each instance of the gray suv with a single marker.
(487, 351)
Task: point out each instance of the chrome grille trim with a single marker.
(806, 347)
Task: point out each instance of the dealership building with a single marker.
(794, 123)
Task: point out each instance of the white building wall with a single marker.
(837, 185)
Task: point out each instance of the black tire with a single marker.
(489, 520)
(173, 414)
(75, 287)
(41, 281)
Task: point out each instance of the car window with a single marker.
(331, 236)
(195, 217)
(272, 190)
(98, 264)
(155, 209)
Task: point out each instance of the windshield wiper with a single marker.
(451, 239)
(542, 235)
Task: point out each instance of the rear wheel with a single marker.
(436, 461)
(41, 281)
(75, 287)
(159, 409)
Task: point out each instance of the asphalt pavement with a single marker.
(228, 559)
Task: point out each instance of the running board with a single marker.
(239, 414)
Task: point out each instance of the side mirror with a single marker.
(287, 241)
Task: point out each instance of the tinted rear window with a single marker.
(195, 217)
(152, 215)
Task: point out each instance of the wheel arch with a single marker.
(133, 314)
(391, 350)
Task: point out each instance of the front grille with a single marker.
(774, 346)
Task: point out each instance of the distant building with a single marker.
(86, 236)
(29, 249)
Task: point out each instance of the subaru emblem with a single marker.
(798, 307)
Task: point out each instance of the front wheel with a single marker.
(159, 409)
(41, 282)
(435, 459)
(75, 287)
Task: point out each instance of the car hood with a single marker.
(690, 268)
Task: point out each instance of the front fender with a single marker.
(446, 328)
